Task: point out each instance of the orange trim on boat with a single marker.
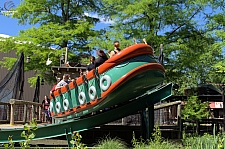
(70, 111)
(72, 84)
(80, 80)
(131, 51)
(127, 53)
(129, 75)
(52, 113)
(57, 92)
(64, 88)
(91, 74)
(134, 72)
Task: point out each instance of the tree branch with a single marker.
(183, 23)
(72, 12)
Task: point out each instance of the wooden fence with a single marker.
(20, 111)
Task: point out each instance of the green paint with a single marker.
(54, 130)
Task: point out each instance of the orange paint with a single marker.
(57, 92)
(80, 80)
(72, 85)
(127, 53)
(90, 75)
(129, 75)
(64, 88)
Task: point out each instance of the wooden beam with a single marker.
(4, 103)
(15, 101)
(164, 105)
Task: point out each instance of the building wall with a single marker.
(28, 91)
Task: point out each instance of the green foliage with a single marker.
(194, 110)
(111, 143)
(56, 25)
(157, 142)
(191, 49)
(138, 144)
(28, 133)
(76, 141)
(10, 145)
(204, 142)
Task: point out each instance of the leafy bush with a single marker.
(76, 141)
(111, 143)
(28, 134)
(206, 141)
(157, 142)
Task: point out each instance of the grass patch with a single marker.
(111, 143)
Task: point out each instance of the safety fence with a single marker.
(20, 111)
(164, 114)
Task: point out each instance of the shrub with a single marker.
(111, 143)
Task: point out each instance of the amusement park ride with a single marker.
(128, 82)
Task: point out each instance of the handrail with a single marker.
(164, 105)
(4, 103)
(30, 110)
(16, 101)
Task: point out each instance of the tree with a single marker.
(57, 24)
(216, 29)
(194, 110)
(183, 27)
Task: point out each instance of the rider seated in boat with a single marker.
(116, 49)
(64, 81)
(91, 65)
(102, 57)
(54, 86)
(135, 41)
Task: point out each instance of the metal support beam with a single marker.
(147, 122)
(69, 137)
(150, 120)
(144, 125)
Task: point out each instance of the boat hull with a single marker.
(120, 79)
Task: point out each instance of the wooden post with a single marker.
(124, 121)
(32, 112)
(28, 113)
(39, 113)
(179, 121)
(8, 112)
(12, 115)
(35, 112)
(25, 113)
(66, 55)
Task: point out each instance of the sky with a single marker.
(9, 26)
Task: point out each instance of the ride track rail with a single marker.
(68, 127)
